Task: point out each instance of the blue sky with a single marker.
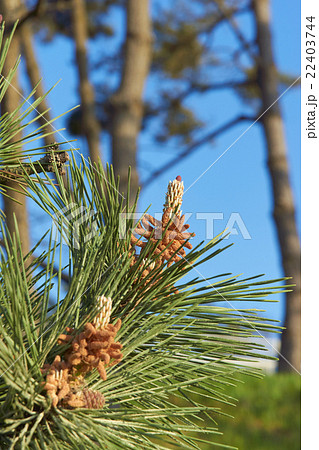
(238, 182)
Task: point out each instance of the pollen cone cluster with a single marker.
(94, 347)
(169, 235)
(57, 380)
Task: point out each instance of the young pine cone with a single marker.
(87, 398)
(93, 399)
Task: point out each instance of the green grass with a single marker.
(267, 416)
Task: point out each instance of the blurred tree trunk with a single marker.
(90, 124)
(11, 100)
(127, 102)
(284, 210)
(34, 75)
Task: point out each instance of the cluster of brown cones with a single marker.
(169, 235)
(95, 347)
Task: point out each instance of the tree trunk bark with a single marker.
(34, 75)
(284, 209)
(127, 103)
(12, 98)
(90, 124)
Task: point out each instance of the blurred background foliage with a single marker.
(267, 414)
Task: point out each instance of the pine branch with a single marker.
(172, 338)
(229, 17)
(195, 146)
(99, 367)
(198, 88)
(221, 17)
(51, 162)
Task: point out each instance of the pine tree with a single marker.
(101, 365)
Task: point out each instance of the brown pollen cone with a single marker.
(57, 380)
(169, 235)
(94, 348)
